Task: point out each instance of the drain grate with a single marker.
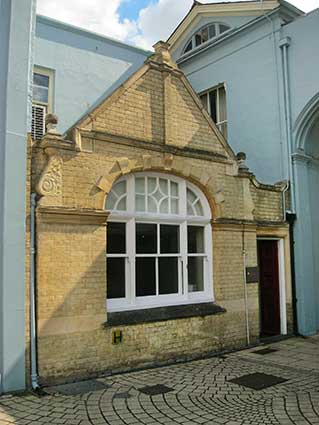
(155, 389)
(258, 381)
(78, 388)
(265, 351)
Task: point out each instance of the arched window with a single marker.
(159, 244)
(206, 33)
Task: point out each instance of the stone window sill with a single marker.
(158, 314)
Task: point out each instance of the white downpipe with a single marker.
(275, 59)
(33, 331)
(245, 287)
(284, 44)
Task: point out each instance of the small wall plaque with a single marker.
(252, 274)
(117, 337)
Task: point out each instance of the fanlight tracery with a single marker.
(206, 33)
(155, 194)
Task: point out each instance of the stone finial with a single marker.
(241, 158)
(51, 122)
(162, 54)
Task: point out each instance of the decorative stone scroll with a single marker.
(50, 182)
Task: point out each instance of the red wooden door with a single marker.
(269, 287)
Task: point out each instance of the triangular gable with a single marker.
(253, 8)
(158, 105)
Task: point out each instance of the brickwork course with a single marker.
(153, 122)
(201, 393)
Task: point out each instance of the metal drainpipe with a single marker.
(291, 215)
(284, 44)
(33, 331)
(273, 31)
(246, 291)
(291, 220)
(284, 191)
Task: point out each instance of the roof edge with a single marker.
(87, 33)
(196, 8)
(291, 7)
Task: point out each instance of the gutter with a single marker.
(33, 330)
(46, 20)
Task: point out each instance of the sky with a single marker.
(138, 22)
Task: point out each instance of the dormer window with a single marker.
(204, 34)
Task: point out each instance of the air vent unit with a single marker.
(38, 121)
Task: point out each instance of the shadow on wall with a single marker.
(176, 119)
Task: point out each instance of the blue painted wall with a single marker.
(86, 66)
(250, 69)
(303, 60)
(250, 64)
(15, 67)
(304, 82)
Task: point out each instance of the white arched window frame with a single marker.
(204, 34)
(176, 216)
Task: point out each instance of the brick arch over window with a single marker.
(157, 193)
(167, 165)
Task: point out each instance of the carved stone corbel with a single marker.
(49, 186)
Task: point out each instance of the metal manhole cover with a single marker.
(265, 351)
(155, 389)
(78, 388)
(258, 381)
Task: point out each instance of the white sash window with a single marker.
(159, 243)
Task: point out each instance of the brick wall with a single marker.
(153, 123)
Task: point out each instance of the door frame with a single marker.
(282, 281)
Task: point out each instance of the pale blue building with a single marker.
(16, 40)
(74, 68)
(255, 66)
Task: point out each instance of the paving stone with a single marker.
(201, 394)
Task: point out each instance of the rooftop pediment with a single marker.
(157, 105)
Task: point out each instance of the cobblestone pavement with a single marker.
(201, 393)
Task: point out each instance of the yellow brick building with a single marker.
(148, 229)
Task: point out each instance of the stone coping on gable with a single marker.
(158, 314)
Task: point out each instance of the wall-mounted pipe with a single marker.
(268, 16)
(33, 329)
(245, 287)
(291, 220)
(284, 204)
(284, 45)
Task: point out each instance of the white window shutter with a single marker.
(38, 121)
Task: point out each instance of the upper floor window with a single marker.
(204, 34)
(42, 100)
(158, 243)
(214, 101)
